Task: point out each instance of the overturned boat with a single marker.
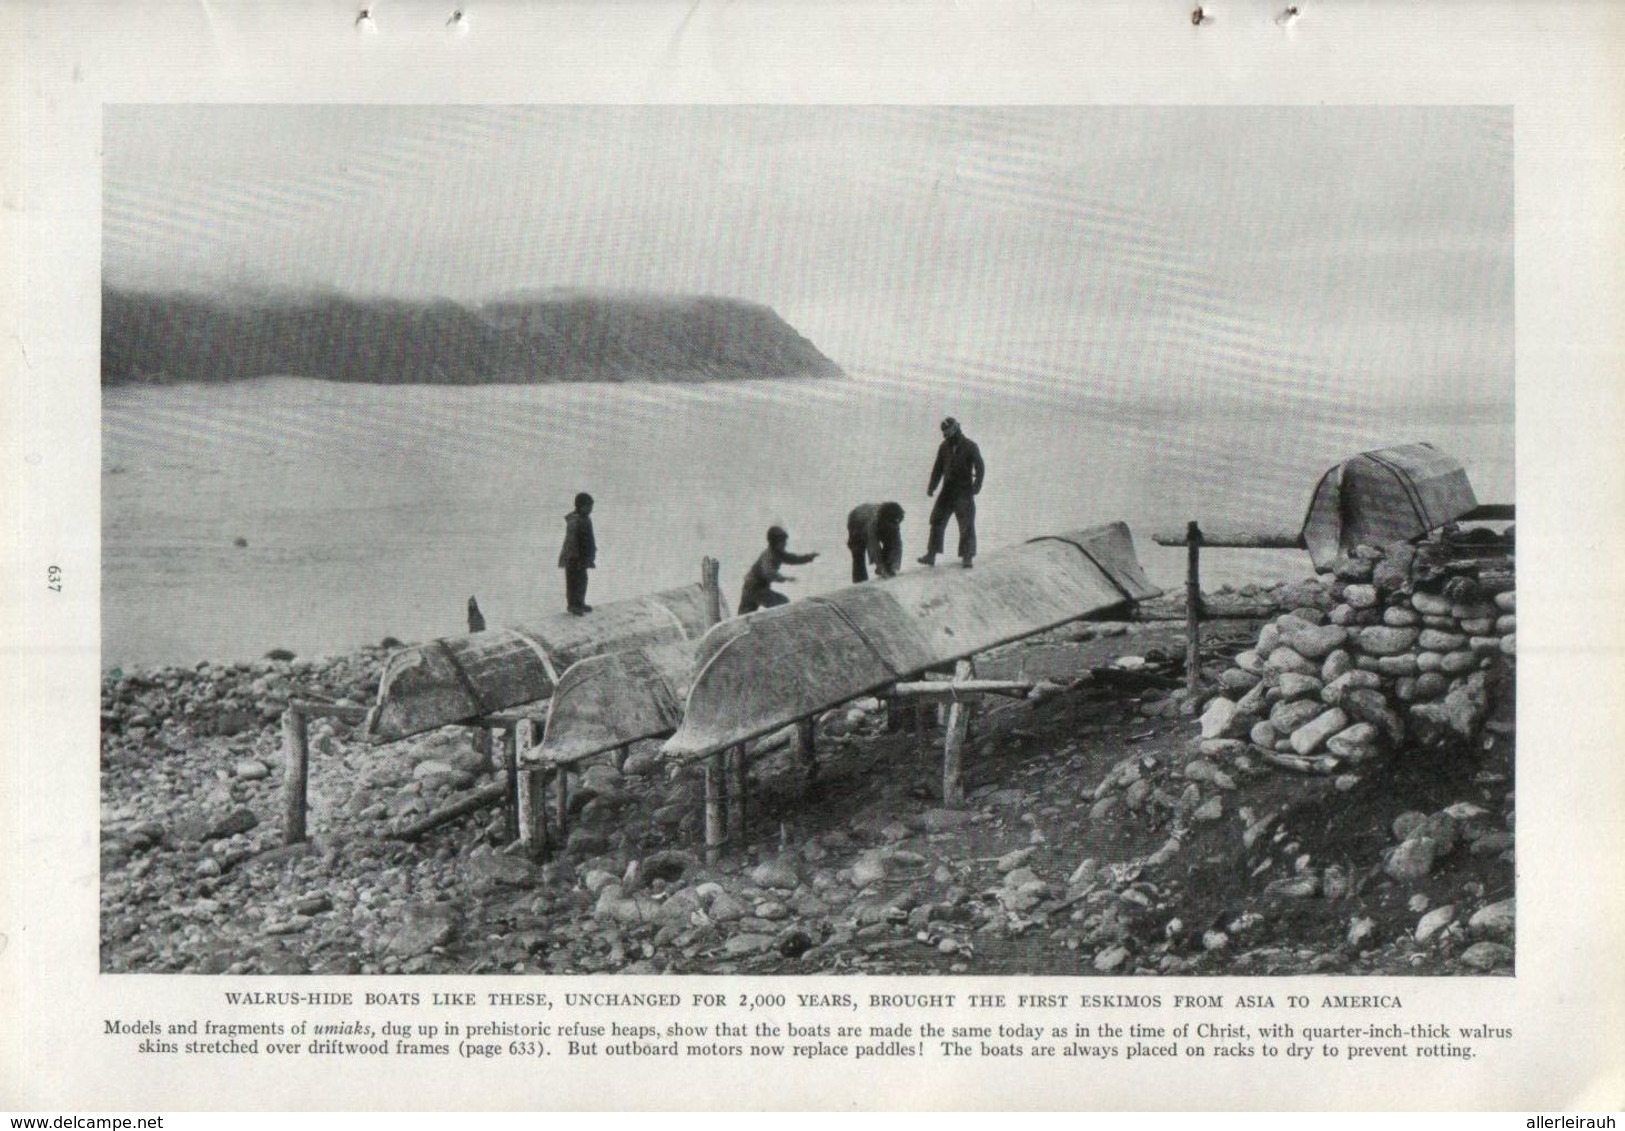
(610, 701)
(1388, 495)
(758, 673)
(458, 678)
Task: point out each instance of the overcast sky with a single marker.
(1197, 247)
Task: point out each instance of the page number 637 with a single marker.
(53, 578)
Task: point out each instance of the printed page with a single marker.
(899, 556)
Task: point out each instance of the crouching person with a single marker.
(874, 534)
(758, 592)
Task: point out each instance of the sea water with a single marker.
(317, 517)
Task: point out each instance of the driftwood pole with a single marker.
(716, 768)
(739, 767)
(807, 747)
(510, 773)
(532, 795)
(1193, 607)
(295, 775)
(953, 746)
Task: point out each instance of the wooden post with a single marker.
(295, 775)
(530, 798)
(953, 746)
(509, 739)
(739, 770)
(716, 808)
(807, 746)
(481, 742)
(561, 799)
(1193, 608)
(710, 572)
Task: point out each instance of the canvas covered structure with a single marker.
(757, 673)
(1388, 495)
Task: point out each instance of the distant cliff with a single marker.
(564, 336)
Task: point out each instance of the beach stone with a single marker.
(251, 769)
(1309, 615)
(1369, 706)
(1334, 883)
(1380, 640)
(1210, 810)
(1393, 666)
(1431, 604)
(1509, 645)
(1318, 642)
(1506, 624)
(237, 821)
(1429, 662)
(1251, 704)
(1353, 569)
(1336, 664)
(1217, 717)
(1484, 645)
(1135, 795)
(868, 869)
(1361, 597)
(1309, 737)
(1250, 662)
(778, 873)
(1105, 807)
(1286, 659)
(1478, 626)
(725, 907)
(1219, 749)
(1343, 615)
(1433, 640)
(1264, 734)
(1497, 919)
(1435, 921)
(1288, 717)
(1431, 685)
(1290, 624)
(1454, 719)
(942, 820)
(1294, 685)
(1236, 681)
(427, 926)
(1334, 690)
(1441, 829)
(1407, 824)
(1411, 861)
(1358, 743)
(1474, 610)
(1401, 616)
(1405, 688)
(1293, 887)
(1486, 955)
(502, 871)
(1308, 592)
(1507, 602)
(1269, 639)
(1111, 959)
(1458, 663)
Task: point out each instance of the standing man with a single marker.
(874, 532)
(960, 472)
(579, 554)
(758, 592)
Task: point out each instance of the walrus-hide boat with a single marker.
(757, 673)
(463, 677)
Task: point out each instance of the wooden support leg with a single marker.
(1193, 608)
(510, 766)
(739, 770)
(953, 746)
(561, 801)
(532, 794)
(295, 775)
(716, 807)
(481, 741)
(807, 748)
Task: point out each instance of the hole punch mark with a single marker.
(456, 17)
(1287, 16)
(1198, 16)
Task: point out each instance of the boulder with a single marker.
(1429, 662)
(1264, 734)
(1431, 685)
(1353, 569)
(1288, 717)
(1393, 666)
(1369, 706)
(1496, 919)
(1401, 616)
(1309, 737)
(1435, 921)
(1286, 659)
(1382, 640)
(1507, 602)
(1411, 861)
(1431, 604)
(1453, 720)
(1433, 640)
(1250, 662)
(1237, 681)
(1361, 597)
(1358, 743)
(1486, 955)
(1295, 685)
(1332, 694)
(1217, 717)
(1318, 642)
(1336, 664)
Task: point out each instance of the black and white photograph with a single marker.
(815, 539)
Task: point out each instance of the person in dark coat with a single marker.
(758, 592)
(960, 472)
(580, 553)
(874, 533)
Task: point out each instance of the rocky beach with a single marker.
(1338, 799)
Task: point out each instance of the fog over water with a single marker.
(1151, 314)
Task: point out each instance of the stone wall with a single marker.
(1392, 652)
